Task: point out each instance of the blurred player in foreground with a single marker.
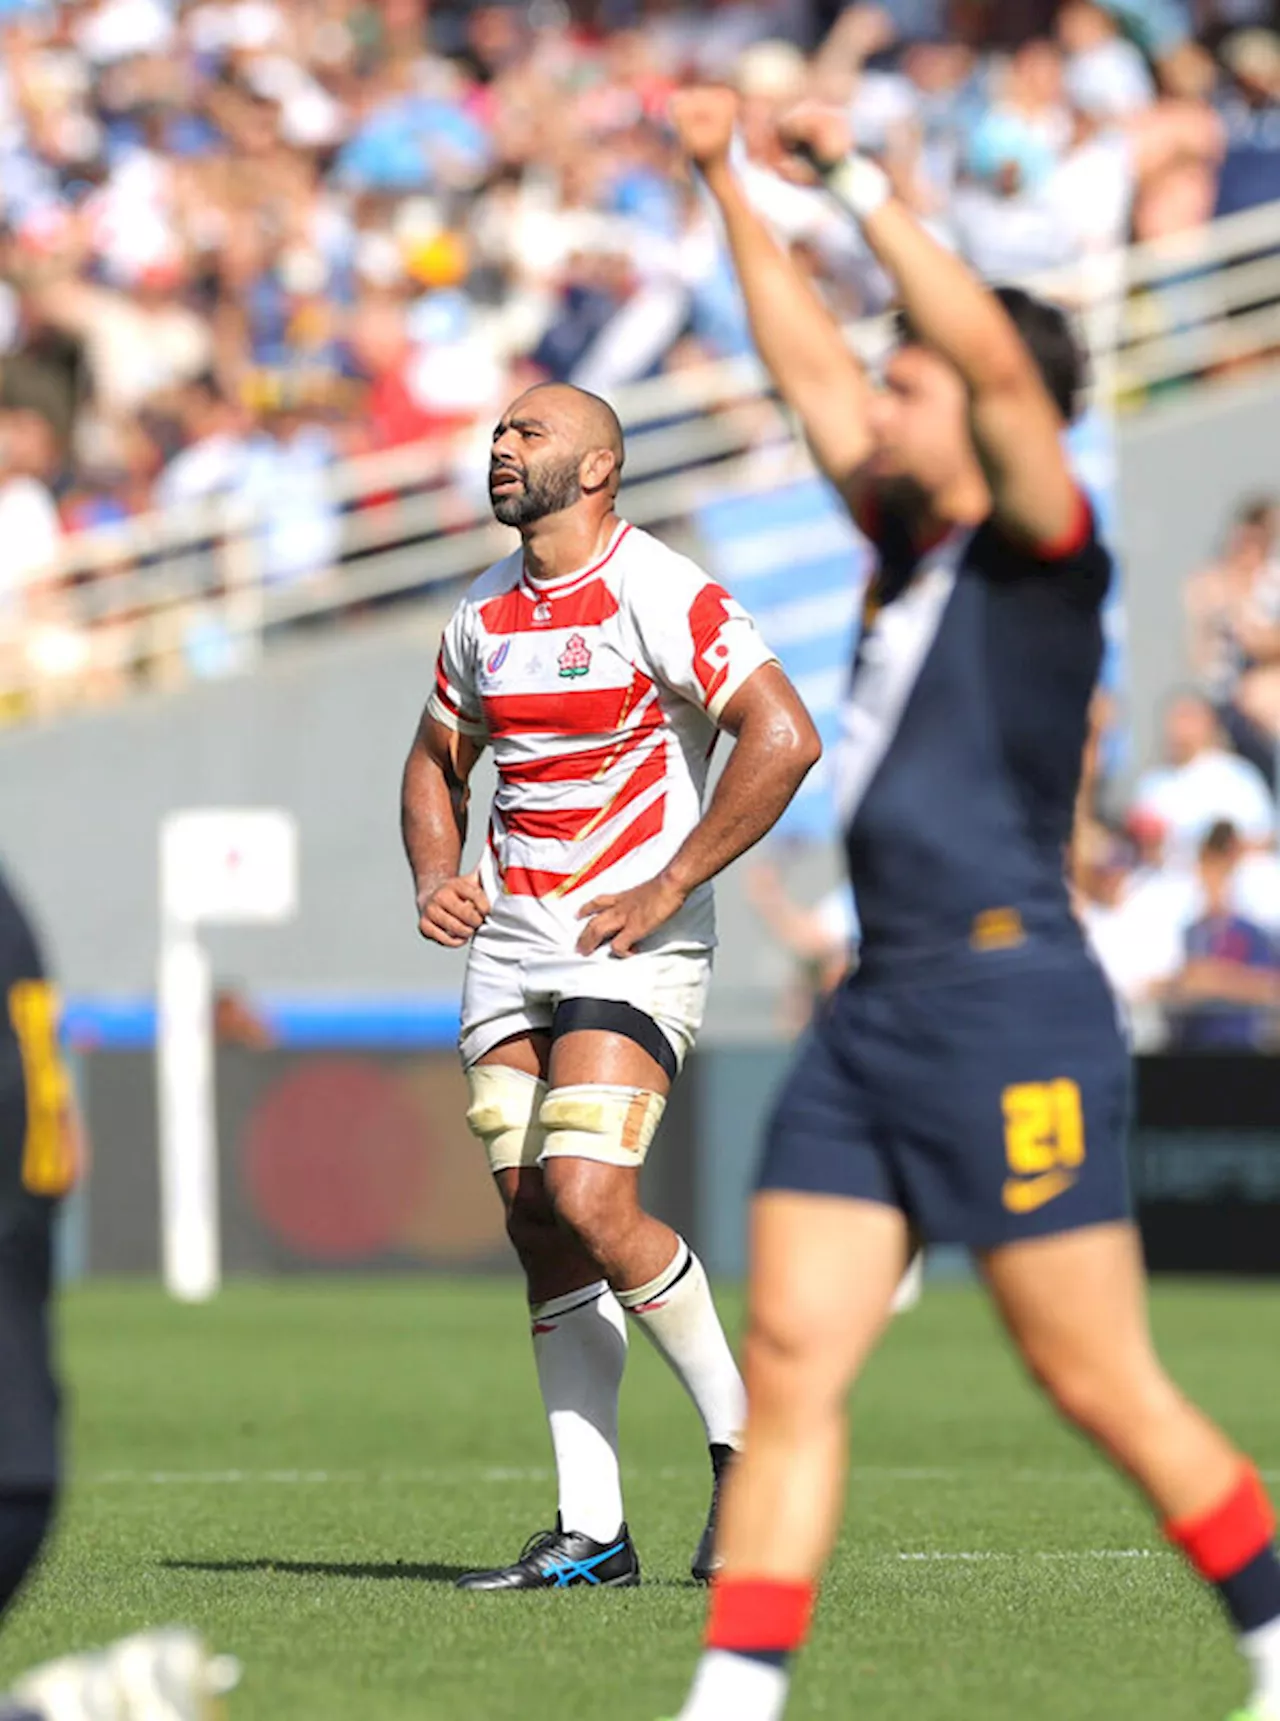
(600, 666)
(38, 1159)
(162, 1675)
(969, 1081)
(165, 1675)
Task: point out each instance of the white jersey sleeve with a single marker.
(455, 698)
(697, 640)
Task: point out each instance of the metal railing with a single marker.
(167, 596)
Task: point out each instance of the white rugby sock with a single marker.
(677, 1312)
(1262, 1651)
(729, 1687)
(580, 1345)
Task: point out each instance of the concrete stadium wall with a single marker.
(323, 728)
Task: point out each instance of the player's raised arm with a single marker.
(433, 822)
(798, 340)
(1016, 424)
(776, 747)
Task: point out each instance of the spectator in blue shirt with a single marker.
(1229, 987)
(1250, 112)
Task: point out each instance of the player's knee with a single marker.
(596, 1206)
(597, 1137)
(790, 1366)
(531, 1220)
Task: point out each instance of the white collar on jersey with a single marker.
(542, 589)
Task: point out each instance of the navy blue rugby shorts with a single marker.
(986, 1095)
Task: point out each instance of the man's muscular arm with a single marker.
(776, 746)
(797, 338)
(433, 822)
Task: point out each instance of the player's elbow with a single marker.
(1002, 373)
(1001, 370)
(794, 743)
(837, 434)
(808, 747)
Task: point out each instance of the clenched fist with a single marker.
(815, 133)
(704, 117)
(450, 912)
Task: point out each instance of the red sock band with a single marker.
(759, 1613)
(1222, 1541)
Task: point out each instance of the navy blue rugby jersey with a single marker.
(963, 733)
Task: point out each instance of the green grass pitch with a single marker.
(301, 1468)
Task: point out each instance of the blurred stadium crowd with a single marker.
(243, 238)
(1180, 887)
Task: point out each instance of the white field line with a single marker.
(447, 1474)
(1066, 1555)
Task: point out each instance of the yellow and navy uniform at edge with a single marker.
(35, 1169)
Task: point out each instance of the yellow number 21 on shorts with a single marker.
(1043, 1141)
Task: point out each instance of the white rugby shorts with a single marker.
(507, 993)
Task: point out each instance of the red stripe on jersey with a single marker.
(588, 763)
(563, 768)
(707, 615)
(585, 711)
(572, 824)
(639, 831)
(534, 881)
(647, 775)
(516, 611)
(561, 824)
(579, 713)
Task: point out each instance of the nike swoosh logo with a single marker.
(1025, 1194)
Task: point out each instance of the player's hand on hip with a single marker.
(704, 117)
(451, 912)
(814, 134)
(622, 921)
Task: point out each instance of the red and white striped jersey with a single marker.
(599, 694)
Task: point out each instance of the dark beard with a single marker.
(902, 497)
(547, 491)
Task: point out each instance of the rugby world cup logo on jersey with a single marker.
(497, 658)
(575, 659)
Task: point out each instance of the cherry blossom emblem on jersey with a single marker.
(575, 659)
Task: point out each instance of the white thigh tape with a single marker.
(504, 1114)
(591, 1121)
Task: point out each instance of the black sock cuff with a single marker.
(1252, 1595)
(779, 1658)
